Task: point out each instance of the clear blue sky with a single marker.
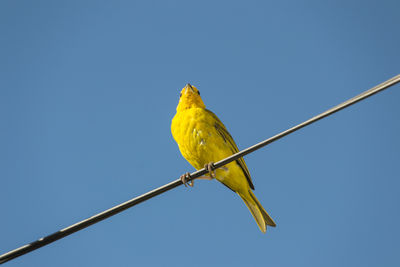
(87, 93)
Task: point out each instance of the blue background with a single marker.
(87, 93)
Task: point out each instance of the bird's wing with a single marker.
(223, 132)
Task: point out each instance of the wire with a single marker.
(121, 207)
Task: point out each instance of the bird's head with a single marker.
(190, 98)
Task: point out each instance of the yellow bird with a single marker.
(202, 139)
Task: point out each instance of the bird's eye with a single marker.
(198, 92)
(180, 95)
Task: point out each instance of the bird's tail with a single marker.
(260, 215)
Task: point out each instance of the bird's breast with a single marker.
(193, 133)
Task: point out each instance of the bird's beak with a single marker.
(189, 87)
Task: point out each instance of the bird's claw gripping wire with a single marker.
(210, 168)
(185, 180)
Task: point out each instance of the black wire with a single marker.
(121, 207)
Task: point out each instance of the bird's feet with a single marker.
(210, 168)
(185, 180)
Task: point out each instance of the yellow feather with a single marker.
(202, 138)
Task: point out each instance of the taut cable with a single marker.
(130, 203)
